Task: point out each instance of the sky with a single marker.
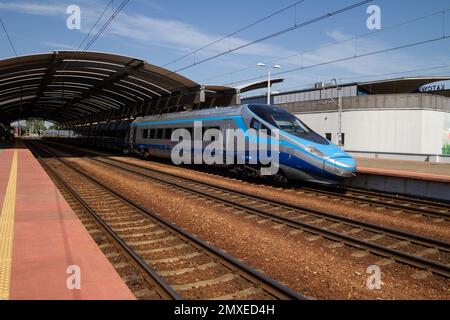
(162, 31)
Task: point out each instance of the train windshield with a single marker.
(290, 123)
(286, 122)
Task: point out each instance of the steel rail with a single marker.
(270, 285)
(411, 259)
(397, 255)
(403, 206)
(387, 201)
(166, 291)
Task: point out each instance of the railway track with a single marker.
(376, 200)
(379, 200)
(405, 247)
(422, 252)
(180, 264)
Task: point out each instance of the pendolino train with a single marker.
(303, 154)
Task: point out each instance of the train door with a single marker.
(132, 137)
(227, 128)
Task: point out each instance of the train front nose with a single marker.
(343, 167)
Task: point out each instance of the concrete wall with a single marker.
(404, 123)
(347, 91)
(374, 102)
(403, 131)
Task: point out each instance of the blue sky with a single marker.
(160, 31)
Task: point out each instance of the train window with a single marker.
(159, 133)
(328, 136)
(167, 133)
(151, 134)
(145, 133)
(255, 124)
(287, 122)
(191, 132)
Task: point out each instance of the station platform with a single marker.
(412, 178)
(405, 168)
(43, 244)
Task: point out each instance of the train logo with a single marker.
(232, 147)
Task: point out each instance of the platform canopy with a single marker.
(400, 85)
(75, 87)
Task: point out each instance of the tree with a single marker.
(34, 126)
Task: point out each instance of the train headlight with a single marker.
(339, 171)
(315, 151)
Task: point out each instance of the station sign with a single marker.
(432, 87)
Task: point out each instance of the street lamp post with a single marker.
(263, 65)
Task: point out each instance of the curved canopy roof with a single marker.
(400, 85)
(71, 87)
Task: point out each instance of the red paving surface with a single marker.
(48, 238)
(406, 169)
(5, 165)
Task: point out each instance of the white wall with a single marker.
(404, 131)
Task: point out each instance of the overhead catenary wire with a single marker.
(349, 58)
(95, 37)
(234, 32)
(13, 48)
(351, 38)
(106, 24)
(95, 24)
(309, 85)
(275, 34)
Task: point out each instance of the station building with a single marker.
(396, 116)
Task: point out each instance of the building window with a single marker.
(328, 136)
(343, 139)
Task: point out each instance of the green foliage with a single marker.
(446, 149)
(34, 126)
(54, 127)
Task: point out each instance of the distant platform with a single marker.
(413, 178)
(404, 168)
(41, 237)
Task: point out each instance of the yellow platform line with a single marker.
(7, 230)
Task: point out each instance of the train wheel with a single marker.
(280, 177)
(147, 154)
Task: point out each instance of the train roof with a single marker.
(217, 111)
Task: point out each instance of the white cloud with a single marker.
(183, 37)
(152, 5)
(337, 35)
(34, 8)
(347, 47)
(145, 30)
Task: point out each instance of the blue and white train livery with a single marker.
(303, 154)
